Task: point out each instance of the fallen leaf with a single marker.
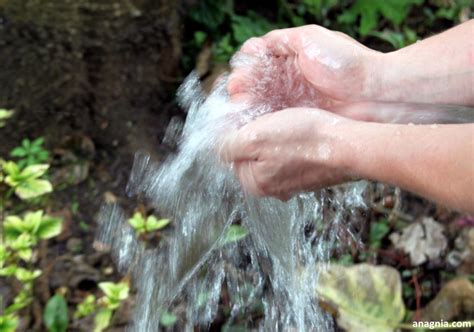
(454, 301)
(422, 241)
(367, 297)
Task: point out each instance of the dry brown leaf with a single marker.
(454, 301)
(422, 241)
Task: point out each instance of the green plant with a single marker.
(55, 316)
(30, 152)
(396, 39)
(26, 182)
(4, 116)
(378, 230)
(143, 224)
(114, 295)
(394, 11)
(20, 233)
(19, 238)
(234, 233)
(218, 22)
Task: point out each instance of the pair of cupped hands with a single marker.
(294, 148)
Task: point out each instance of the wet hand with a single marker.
(304, 66)
(286, 152)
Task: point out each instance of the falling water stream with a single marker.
(277, 265)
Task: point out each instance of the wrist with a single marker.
(376, 66)
(360, 149)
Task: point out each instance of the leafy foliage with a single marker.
(27, 182)
(8, 323)
(148, 224)
(114, 295)
(378, 230)
(30, 152)
(214, 17)
(55, 315)
(86, 307)
(369, 12)
(235, 233)
(20, 235)
(34, 224)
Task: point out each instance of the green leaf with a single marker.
(22, 300)
(102, 320)
(33, 227)
(86, 307)
(35, 171)
(11, 168)
(235, 233)
(137, 222)
(114, 293)
(25, 275)
(38, 142)
(33, 188)
(8, 271)
(378, 230)
(168, 319)
(153, 224)
(4, 255)
(250, 25)
(55, 315)
(8, 323)
(369, 11)
(367, 298)
(22, 246)
(18, 152)
(211, 14)
(13, 226)
(26, 143)
(199, 38)
(49, 227)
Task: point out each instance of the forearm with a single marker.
(436, 162)
(439, 69)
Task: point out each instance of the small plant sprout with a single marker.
(30, 152)
(114, 295)
(86, 307)
(234, 233)
(27, 182)
(143, 224)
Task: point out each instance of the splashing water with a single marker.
(277, 265)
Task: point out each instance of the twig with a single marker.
(400, 215)
(414, 279)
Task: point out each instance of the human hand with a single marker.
(305, 66)
(293, 150)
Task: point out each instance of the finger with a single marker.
(247, 178)
(236, 82)
(254, 45)
(237, 147)
(241, 98)
(282, 42)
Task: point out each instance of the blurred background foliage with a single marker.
(387, 24)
